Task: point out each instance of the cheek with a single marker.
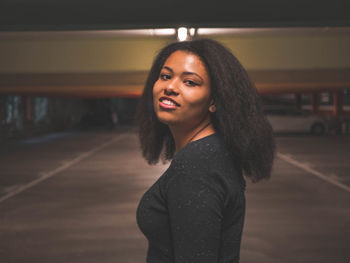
(197, 101)
(155, 88)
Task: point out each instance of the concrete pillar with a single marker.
(52, 102)
(338, 109)
(338, 102)
(315, 100)
(298, 101)
(28, 108)
(2, 109)
(52, 112)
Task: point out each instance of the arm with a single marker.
(195, 201)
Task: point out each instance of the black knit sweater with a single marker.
(195, 211)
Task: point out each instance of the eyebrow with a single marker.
(184, 73)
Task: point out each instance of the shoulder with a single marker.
(204, 162)
(201, 150)
(206, 154)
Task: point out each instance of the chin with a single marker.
(168, 120)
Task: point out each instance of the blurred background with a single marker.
(67, 65)
(71, 74)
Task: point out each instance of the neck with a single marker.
(182, 135)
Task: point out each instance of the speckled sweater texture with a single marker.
(195, 211)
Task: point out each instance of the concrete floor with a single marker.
(72, 197)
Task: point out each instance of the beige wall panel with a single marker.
(88, 55)
(291, 52)
(136, 54)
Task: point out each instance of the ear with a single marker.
(212, 107)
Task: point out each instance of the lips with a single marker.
(166, 101)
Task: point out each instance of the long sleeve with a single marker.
(195, 199)
(194, 212)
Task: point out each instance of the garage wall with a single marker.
(291, 52)
(43, 55)
(78, 55)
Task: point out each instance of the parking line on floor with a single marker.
(307, 168)
(64, 166)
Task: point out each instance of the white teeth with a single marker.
(168, 102)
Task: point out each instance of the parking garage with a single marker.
(70, 164)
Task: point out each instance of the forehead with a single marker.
(186, 61)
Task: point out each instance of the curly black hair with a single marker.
(239, 117)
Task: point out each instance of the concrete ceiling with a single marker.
(37, 15)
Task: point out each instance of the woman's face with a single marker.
(181, 95)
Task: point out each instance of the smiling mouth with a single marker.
(167, 103)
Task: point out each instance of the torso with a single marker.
(195, 211)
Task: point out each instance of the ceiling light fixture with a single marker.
(182, 34)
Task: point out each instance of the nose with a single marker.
(171, 87)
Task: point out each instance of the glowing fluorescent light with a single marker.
(182, 34)
(164, 31)
(192, 31)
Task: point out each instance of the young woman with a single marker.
(200, 110)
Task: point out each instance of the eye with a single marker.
(191, 83)
(164, 76)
